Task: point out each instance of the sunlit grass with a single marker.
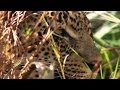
(107, 38)
(114, 73)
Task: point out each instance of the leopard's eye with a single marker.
(58, 31)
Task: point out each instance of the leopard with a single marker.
(60, 37)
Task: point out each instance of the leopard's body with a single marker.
(70, 30)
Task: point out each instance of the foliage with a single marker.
(106, 33)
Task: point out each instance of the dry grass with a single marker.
(9, 40)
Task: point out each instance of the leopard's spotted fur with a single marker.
(70, 30)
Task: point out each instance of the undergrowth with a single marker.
(106, 33)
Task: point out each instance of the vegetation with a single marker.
(106, 33)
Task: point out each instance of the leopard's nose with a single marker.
(98, 59)
(96, 63)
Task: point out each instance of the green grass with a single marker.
(107, 39)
